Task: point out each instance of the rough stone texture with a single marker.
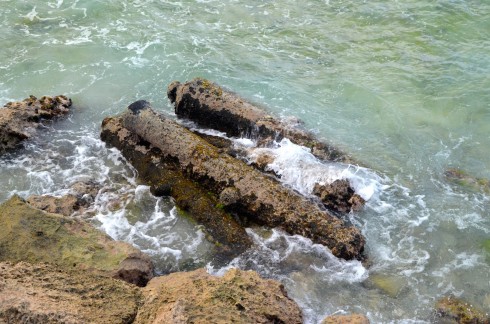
(339, 196)
(19, 120)
(197, 297)
(209, 105)
(166, 178)
(44, 293)
(249, 193)
(453, 310)
(83, 196)
(463, 179)
(31, 235)
(346, 319)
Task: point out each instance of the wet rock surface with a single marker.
(20, 120)
(346, 319)
(31, 235)
(339, 196)
(453, 310)
(44, 293)
(82, 196)
(209, 105)
(197, 297)
(166, 179)
(250, 193)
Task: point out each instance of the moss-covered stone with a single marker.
(31, 235)
(453, 310)
(463, 179)
(391, 285)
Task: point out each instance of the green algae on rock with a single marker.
(453, 310)
(43, 293)
(31, 235)
(465, 180)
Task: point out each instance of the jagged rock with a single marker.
(31, 235)
(197, 297)
(339, 196)
(209, 105)
(19, 120)
(83, 196)
(258, 197)
(453, 310)
(346, 319)
(44, 293)
(166, 178)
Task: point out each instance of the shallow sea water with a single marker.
(403, 87)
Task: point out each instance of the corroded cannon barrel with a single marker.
(211, 106)
(165, 178)
(241, 189)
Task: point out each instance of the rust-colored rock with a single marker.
(197, 297)
(44, 293)
(346, 319)
(339, 196)
(31, 235)
(20, 120)
(248, 192)
(211, 106)
(165, 178)
(453, 310)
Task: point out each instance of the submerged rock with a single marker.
(19, 120)
(453, 310)
(391, 285)
(209, 105)
(197, 297)
(242, 189)
(31, 235)
(43, 293)
(463, 179)
(339, 196)
(346, 319)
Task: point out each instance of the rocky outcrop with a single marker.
(19, 120)
(453, 310)
(166, 178)
(346, 319)
(197, 297)
(211, 106)
(241, 189)
(82, 196)
(31, 235)
(339, 196)
(43, 293)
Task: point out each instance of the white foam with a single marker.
(301, 170)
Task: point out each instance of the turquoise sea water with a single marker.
(402, 86)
